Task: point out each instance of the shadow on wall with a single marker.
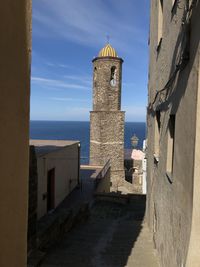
(169, 99)
(103, 235)
(128, 166)
(183, 56)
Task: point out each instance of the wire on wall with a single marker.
(184, 58)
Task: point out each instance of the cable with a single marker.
(184, 58)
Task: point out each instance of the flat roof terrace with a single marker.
(43, 147)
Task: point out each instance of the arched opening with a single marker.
(95, 73)
(113, 76)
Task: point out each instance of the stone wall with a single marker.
(174, 61)
(107, 141)
(106, 119)
(105, 96)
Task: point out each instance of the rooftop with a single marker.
(47, 146)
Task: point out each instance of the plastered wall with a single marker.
(65, 161)
(15, 49)
(170, 203)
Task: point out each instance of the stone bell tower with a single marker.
(107, 119)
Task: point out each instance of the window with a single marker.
(170, 144)
(160, 23)
(113, 76)
(95, 76)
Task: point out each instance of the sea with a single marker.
(80, 130)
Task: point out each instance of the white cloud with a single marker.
(135, 113)
(76, 113)
(51, 83)
(68, 99)
(50, 64)
(128, 85)
(64, 66)
(88, 22)
(80, 78)
(58, 65)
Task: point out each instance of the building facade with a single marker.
(32, 201)
(173, 122)
(107, 119)
(15, 53)
(58, 166)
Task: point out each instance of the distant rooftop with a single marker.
(46, 146)
(135, 154)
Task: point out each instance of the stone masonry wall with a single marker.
(105, 96)
(106, 119)
(107, 141)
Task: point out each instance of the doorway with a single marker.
(50, 189)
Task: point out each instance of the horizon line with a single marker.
(77, 121)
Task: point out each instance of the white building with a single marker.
(58, 165)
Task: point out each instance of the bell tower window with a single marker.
(113, 76)
(95, 76)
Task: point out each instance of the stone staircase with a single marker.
(113, 236)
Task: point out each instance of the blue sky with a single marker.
(67, 35)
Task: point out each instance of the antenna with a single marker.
(108, 38)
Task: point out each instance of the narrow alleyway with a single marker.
(113, 236)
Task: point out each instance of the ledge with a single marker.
(108, 58)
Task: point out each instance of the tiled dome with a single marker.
(108, 51)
